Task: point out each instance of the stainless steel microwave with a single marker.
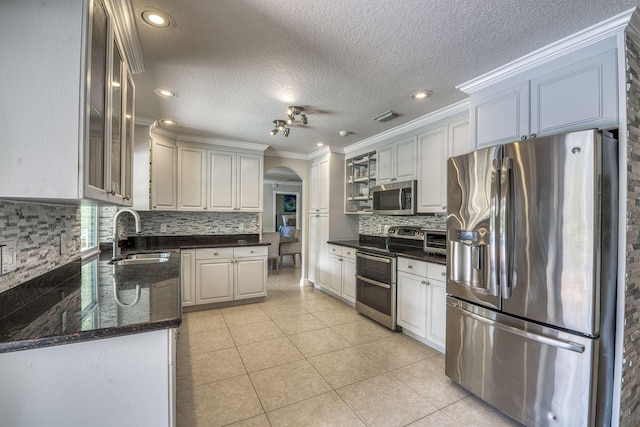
(395, 198)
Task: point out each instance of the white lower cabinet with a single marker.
(342, 268)
(213, 275)
(421, 301)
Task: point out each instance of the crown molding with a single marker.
(222, 142)
(158, 130)
(443, 113)
(319, 153)
(287, 155)
(579, 40)
(144, 121)
(124, 18)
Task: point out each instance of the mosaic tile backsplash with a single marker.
(37, 229)
(180, 223)
(369, 223)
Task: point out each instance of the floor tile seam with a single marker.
(313, 397)
(203, 352)
(453, 403)
(349, 406)
(275, 366)
(189, 355)
(256, 392)
(435, 405)
(214, 381)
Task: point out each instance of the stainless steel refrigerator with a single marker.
(531, 277)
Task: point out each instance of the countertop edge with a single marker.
(83, 336)
(419, 256)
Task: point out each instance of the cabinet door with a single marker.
(192, 190)
(222, 181)
(349, 280)
(324, 272)
(576, 97)
(432, 155)
(502, 117)
(412, 296)
(164, 171)
(116, 158)
(188, 276)
(335, 274)
(405, 159)
(323, 186)
(313, 248)
(314, 191)
(127, 142)
(214, 281)
(385, 164)
(459, 138)
(250, 278)
(250, 176)
(436, 313)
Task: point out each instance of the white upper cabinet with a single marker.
(434, 147)
(572, 96)
(235, 181)
(164, 175)
(192, 169)
(67, 134)
(319, 186)
(397, 161)
(249, 187)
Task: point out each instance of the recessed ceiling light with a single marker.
(320, 144)
(344, 133)
(421, 94)
(165, 93)
(157, 18)
(115, 84)
(168, 122)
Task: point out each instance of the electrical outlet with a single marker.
(386, 229)
(241, 227)
(8, 256)
(163, 228)
(379, 228)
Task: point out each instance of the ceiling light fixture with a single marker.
(421, 94)
(168, 122)
(157, 18)
(344, 133)
(294, 111)
(280, 126)
(320, 144)
(165, 93)
(386, 116)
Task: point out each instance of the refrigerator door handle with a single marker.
(505, 231)
(493, 242)
(566, 345)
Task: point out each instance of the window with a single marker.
(89, 244)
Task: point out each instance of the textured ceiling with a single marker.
(238, 64)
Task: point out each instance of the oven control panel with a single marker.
(412, 233)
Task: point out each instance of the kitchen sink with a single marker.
(148, 258)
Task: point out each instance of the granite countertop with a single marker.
(93, 299)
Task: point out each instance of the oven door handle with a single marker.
(373, 282)
(373, 258)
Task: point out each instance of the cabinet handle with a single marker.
(533, 135)
(410, 266)
(523, 137)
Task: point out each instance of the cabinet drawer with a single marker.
(412, 266)
(436, 271)
(250, 251)
(349, 253)
(212, 253)
(335, 250)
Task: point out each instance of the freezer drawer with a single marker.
(537, 375)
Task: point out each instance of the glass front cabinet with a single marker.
(360, 178)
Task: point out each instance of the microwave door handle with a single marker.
(400, 198)
(494, 254)
(505, 228)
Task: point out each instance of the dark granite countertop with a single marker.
(89, 300)
(372, 242)
(93, 299)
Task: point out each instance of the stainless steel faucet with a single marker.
(136, 216)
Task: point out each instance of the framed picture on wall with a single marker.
(290, 203)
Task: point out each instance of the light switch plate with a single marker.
(240, 227)
(8, 256)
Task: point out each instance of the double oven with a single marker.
(376, 270)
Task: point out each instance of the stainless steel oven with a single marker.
(376, 286)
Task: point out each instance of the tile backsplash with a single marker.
(180, 223)
(37, 229)
(369, 224)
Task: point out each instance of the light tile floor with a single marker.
(303, 358)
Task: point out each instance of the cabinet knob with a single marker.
(410, 266)
(523, 137)
(443, 274)
(252, 252)
(215, 253)
(348, 253)
(533, 135)
(155, 206)
(444, 208)
(112, 192)
(204, 208)
(424, 282)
